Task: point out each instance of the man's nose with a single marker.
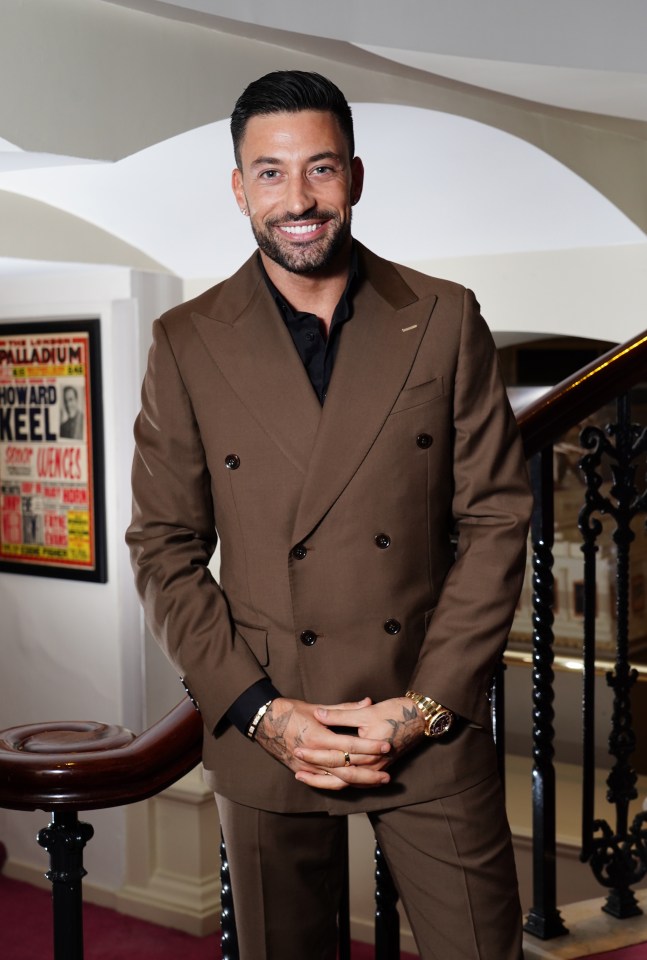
(300, 195)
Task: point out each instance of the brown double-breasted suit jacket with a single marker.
(415, 441)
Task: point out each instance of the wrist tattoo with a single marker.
(406, 731)
(272, 730)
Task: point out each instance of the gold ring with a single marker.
(346, 759)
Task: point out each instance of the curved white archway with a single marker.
(437, 186)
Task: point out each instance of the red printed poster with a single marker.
(50, 450)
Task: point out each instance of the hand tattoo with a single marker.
(272, 734)
(406, 731)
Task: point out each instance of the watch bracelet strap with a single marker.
(430, 709)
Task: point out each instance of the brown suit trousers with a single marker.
(451, 860)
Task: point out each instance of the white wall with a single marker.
(597, 292)
(73, 650)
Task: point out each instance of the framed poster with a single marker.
(52, 511)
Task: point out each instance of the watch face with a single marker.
(442, 724)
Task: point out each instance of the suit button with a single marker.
(382, 540)
(424, 440)
(392, 627)
(308, 638)
(232, 461)
(299, 551)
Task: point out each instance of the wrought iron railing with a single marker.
(69, 767)
(618, 857)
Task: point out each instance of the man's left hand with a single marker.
(397, 720)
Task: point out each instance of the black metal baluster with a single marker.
(387, 918)
(343, 919)
(544, 919)
(497, 708)
(590, 528)
(228, 935)
(618, 858)
(64, 840)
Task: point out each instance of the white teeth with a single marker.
(305, 228)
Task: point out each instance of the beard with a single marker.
(304, 257)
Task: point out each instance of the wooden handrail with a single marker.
(546, 419)
(105, 767)
(72, 766)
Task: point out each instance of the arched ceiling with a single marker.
(589, 35)
(108, 80)
(441, 186)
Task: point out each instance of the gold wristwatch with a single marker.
(438, 719)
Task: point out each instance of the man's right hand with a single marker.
(289, 726)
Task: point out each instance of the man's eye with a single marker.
(322, 170)
(269, 174)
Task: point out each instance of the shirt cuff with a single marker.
(246, 706)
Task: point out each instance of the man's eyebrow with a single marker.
(276, 162)
(326, 155)
(260, 161)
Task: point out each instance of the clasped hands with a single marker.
(300, 735)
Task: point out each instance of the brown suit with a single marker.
(415, 434)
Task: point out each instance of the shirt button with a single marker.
(392, 627)
(382, 540)
(232, 461)
(299, 551)
(424, 440)
(310, 337)
(308, 638)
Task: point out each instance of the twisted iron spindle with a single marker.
(387, 918)
(544, 919)
(228, 935)
(497, 709)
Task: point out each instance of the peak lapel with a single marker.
(377, 350)
(248, 341)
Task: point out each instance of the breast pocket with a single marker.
(421, 393)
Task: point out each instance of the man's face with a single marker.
(298, 185)
(70, 402)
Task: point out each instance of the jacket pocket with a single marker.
(422, 393)
(256, 640)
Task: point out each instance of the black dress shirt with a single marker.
(318, 354)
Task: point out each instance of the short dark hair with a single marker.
(290, 91)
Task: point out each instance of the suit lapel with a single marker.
(376, 352)
(250, 344)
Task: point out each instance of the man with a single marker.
(334, 418)
(72, 426)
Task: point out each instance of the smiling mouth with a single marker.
(300, 229)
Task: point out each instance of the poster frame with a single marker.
(97, 573)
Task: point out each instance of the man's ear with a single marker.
(237, 187)
(357, 179)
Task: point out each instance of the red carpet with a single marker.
(637, 952)
(26, 932)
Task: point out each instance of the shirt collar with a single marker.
(344, 306)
